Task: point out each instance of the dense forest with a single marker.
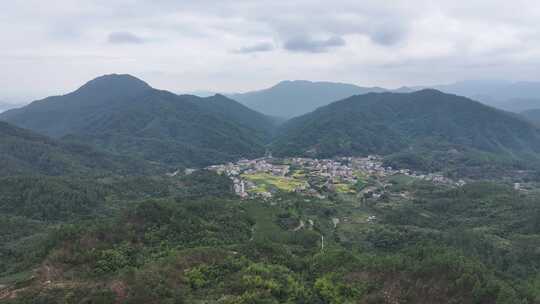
(23, 152)
(427, 130)
(187, 239)
(121, 114)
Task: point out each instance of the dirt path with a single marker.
(252, 233)
(302, 224)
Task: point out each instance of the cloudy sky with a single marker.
(228, 46)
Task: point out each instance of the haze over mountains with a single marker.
(506, 95)
(288, 99)
(7, 105)
(293, 98)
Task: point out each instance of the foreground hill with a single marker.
(25, 152)
(170, 242)
(123, 114)
(292, 98)
(418, 125)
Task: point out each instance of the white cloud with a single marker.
(124, 38)
(196, 44)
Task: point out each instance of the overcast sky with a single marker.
(51, 47)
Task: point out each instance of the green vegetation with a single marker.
(426, 130)
(25, 152)
(123, 115)
(187, 240)
(344, 188)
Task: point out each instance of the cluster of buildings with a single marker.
(326, 168)
(237, 171)
(246, 166)
(318, 174)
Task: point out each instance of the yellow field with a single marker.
(264, 181)
(344, 188)
(299, 174)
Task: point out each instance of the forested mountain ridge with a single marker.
(25, 152)
(124, 115)
(421, 122)
(57, 116)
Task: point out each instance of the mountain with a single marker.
(516, 104)
(292, 98)
(506, 95)
(4, 106)
(124, 115)
(422, 125)
(25, 152)
(220, 105)
(532, 115)
(60, 115)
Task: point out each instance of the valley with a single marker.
(358, 176)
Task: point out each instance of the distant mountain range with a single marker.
(124, 115)
(506, 95)
(288, 99)
(426, 128)
(4, 105)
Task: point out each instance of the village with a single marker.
(362, 176)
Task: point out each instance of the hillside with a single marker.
(122, 114)
(420, 125)
(532, 115)
(57, 116)
(293, 98)
(473, 244)
(25, 152)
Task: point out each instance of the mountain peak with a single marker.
(429, 91)
(116, 82)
